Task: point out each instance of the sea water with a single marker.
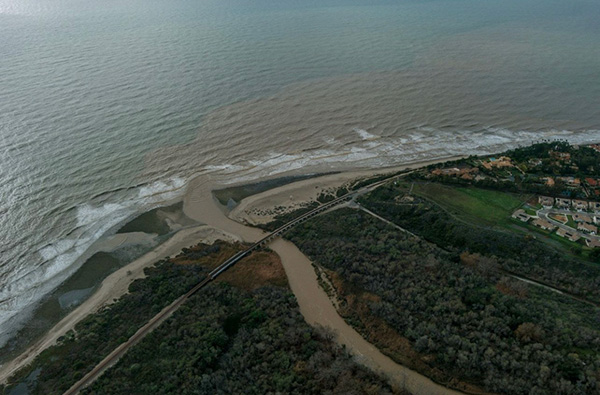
(107, 108)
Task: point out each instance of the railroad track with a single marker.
(118, 352)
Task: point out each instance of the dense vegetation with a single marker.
(233, 342)
(248, 337)
(583, 160)
(532, 165)
(510, 251)
(460, 318)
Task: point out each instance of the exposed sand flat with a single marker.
(315, 305)
(120, 240)
(113, 287)
(258, 209)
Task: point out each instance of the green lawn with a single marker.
(487, 207)
(473, 204)
(530, 211)
(570, 222)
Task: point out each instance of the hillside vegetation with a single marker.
(511, 251)
(451, 314)
(242, 334)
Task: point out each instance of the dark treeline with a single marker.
(584, 158)
(98, 334)
(513, 252)
(461, 318)
(545, 159)
(227, 341)
(224, 340)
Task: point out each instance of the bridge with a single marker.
(278, 232)
(117, 353)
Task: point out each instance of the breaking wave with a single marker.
(421, 144)
(61, 258)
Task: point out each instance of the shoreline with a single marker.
(199, 204)
(112, 287)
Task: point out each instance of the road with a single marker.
(544, 214)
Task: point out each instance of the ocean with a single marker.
(108, 108)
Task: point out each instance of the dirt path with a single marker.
(315, 305)
(113, 287)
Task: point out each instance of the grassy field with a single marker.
(493, 208)
(473, 204)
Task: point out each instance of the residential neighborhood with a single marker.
(572, 219)
(564, 178)
(557, 168)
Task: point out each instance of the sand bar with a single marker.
(315, 305)
(113, 287)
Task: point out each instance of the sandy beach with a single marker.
(200, 205)
(316, 306)
(115, 286)
(262, 207)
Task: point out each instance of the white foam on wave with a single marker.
(61, 258)
(161, 191)
(424, 143)
(224, 168)
(365, 135)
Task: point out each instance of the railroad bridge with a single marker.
(276, 233)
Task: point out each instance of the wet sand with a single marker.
(113, 287)
(199, 204)
(315, 305)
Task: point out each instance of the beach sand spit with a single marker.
(315, 305)
(113, 287)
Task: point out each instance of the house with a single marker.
(593, 243)
(548, 181)
(572, 236)
(546, 201)
(591, 182)
(446, 172)
(563, 203)
(595, 206)
(588, 228)
(579, 204)
(542, 223)
(582, 217)
(503, 161)
(570, 181)
(561, 155)
(521, 215)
